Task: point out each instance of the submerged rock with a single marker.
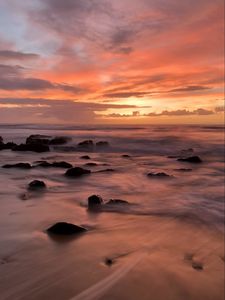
(86, 144)
(60, 164)
(191, 159)
(102, 144)
(36, 185)
(105, 171)
(94, 201)
(125, 156)
(160, 174)
(109, 261)
(91, 164)
(38, 139)
(59, 140)
(64, 228)
(34, 147)
(18, 165)
(197, 266)
(77, 172)
(85, 157)
(117, 202)
(44, 164)
(183, 170)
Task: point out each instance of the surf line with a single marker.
(99, 289)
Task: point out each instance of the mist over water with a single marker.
(188, 207)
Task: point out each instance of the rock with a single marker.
(86, 144)
(32, 147)
(94, 201)
(60, 164)
(64, 228)
(102, 144)
(125, 156)
(91, 164)
(160, 174)
(38, 139)
(36, 184)
(197, 266)
(18, 165)
(117, 202)
(44, 164)
(1, 140)
(8, 145)
(85, 157)
(59, 140)
(183, 170)
(77, 172)
(191, 159)
(109, 261)
(105, 171)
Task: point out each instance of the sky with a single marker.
(112, 61)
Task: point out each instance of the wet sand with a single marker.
(152, 258)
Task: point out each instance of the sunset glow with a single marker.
(101, 61)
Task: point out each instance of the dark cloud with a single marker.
(8, 70)
(220, 109)
(125, 94)
(181, 112)
(118, 115)
(31, 84)
(16, 55)
(190, 88)
(45, 110)
(34, 84)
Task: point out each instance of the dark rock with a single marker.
(183, 170)
(109, 261)
(8, 145)
(60, 164)
(18, 165)
(125, 156)
(63, 148)
(191, 159)
(189, 150)
(59, 140)
(85, 157)
(160, 174)
(117, 202)
(44, 164)
(102, 144)
(36, 184)
(64, 228)
(197, 266)
(94, 201)
(32, 147)
(24, 196)
(38, 139)
(86, 144)
(91, 164)
(77, 172)
(106, 171)
(1, 140)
